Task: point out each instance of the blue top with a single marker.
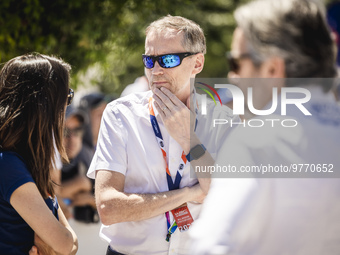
(16, 236)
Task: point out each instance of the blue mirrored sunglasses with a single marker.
(166, 61)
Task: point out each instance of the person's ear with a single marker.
(199, 63)
(273, 67)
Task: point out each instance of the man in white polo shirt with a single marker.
(148, 141)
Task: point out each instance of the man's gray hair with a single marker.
(193, 36)
(295, 30)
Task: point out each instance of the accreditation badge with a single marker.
(182, 217)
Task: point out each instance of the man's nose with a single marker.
(157, 69)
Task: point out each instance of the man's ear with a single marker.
(273, 67)
(199, 63)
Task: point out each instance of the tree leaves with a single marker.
(108, 34)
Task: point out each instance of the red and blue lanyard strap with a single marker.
(172, 185)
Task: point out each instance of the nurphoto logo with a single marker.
(294, 96)
(238, 99)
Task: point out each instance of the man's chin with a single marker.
(165, 85)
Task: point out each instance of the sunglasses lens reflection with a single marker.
(166, 60)
(148, 62)
(169, 61)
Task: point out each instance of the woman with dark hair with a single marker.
(34, 93)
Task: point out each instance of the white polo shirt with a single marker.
(267, 216)
(127, 144)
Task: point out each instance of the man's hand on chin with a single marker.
(175, 116)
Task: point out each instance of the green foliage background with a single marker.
(108, 34)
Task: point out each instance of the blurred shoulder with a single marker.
(133, 99)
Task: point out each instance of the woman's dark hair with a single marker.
(33, 97)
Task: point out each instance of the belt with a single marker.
(112, 252)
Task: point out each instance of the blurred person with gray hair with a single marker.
(284, 46)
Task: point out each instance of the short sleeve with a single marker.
(111, 147)
(13, 174)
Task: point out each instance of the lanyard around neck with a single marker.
(171, 185)
(183, 161)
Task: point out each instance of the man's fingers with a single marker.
(169, 99)
(162, 99)
(171, 96)
(161, 106)
(160, 110)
